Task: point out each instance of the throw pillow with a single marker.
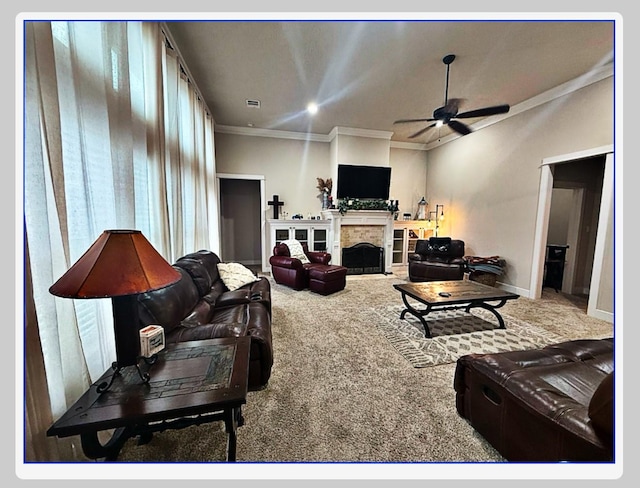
(235, 275)
(296, 251)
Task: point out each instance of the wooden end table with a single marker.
(191, 383)
(452, 295)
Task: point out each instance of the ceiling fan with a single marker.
(448, 113)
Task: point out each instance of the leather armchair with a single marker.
(437, 259)
(291, 271)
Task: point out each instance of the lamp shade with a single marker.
(118, 263)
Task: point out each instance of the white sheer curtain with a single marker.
(115, 137)
(190, 132)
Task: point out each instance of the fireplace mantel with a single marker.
(382, 218)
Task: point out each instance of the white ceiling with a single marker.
(367, 74)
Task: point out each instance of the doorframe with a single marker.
(263, 207)
(542, 224)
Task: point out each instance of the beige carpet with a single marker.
(341, 393)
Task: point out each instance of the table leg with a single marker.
(94, 449)
(233, 419)
(417, 314)
(490, 308)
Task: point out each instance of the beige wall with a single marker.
(290, 168)
(364, 151)
(561, 202)
(489, 180)
(408, 178)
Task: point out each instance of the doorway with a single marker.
(241, 219)
(593, 258)
(573, 219)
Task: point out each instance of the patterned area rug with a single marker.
(456, 333)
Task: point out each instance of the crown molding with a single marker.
(369, 133)
(416, 146)
(276, 134)
(304, 136)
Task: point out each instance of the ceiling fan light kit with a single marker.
(448, 113)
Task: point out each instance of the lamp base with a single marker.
(144, 375)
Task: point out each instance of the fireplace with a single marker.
(363, 258)
(361, 226)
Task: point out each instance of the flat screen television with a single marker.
(363, 181)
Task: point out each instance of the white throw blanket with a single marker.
(295, 250)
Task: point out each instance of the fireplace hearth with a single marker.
(363, 258)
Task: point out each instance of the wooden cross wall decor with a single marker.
(276, 206)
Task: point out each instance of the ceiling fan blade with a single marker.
(484, 112)
(420, 132)
(459, 127)
(404, 121)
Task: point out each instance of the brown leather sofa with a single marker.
(317, 275)
(199, 306)
(437, 259)
(545, 405)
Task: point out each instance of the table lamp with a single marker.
(119, 265)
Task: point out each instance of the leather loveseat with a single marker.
(544, 405)
(437, 259)
(199, 306)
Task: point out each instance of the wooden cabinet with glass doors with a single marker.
(312, 233)
(405, 235)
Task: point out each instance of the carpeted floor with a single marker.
(340, 392)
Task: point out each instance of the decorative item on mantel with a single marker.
(325, 186)
(394, 208)
(367, 204)
(276, 206)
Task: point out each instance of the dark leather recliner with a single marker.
(291, 271)
(550, 404)
(437, 259)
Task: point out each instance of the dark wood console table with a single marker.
(191, 383)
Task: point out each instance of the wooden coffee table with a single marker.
(191, 383)
(452, 295)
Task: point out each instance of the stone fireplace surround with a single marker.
(382, 219)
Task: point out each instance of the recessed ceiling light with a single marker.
(312, 108)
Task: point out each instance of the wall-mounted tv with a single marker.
(363, 181)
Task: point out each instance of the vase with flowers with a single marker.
(325, 186)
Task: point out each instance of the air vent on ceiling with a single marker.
(253, 103)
